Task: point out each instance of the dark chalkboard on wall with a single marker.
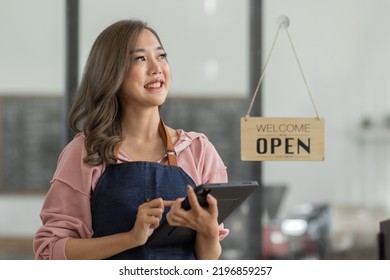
(31, 138)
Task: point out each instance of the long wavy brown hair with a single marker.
(96, 110)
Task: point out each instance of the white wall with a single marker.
(206, 40)
(32, 47)
(344, 48)
(19, 215)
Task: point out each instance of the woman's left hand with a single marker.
(201, 219)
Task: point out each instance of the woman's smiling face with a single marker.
(148, 79)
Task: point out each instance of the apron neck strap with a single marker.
(170, 149)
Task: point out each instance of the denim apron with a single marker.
(123, 187)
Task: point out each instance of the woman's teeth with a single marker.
(154, 85)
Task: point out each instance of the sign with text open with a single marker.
(282, 139)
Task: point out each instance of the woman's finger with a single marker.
(193, 199)
(213, 205)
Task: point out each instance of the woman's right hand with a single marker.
(148, 219)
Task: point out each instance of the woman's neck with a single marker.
(141, 125)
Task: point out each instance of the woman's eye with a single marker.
(163, 56)
(139, 58)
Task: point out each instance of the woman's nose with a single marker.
(154, 67)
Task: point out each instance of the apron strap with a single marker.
(170, 149)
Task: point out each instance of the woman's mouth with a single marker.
(154, 85)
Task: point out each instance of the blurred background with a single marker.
(304, 210)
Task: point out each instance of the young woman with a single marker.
(126, 171)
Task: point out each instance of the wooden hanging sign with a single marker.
(282, 139)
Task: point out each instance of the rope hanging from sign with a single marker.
(284, 22)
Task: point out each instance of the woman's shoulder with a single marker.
(71, 167)
(191, 137)
(196, 141)
(78, 140)
(75, 147)
(196, 152)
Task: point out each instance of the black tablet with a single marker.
(229, 196)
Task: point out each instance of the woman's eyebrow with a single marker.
(144, 50)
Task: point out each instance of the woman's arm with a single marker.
(207, 244)
(148, 218)
(67, 232)
(100, 247)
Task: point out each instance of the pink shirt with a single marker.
(66, 211)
